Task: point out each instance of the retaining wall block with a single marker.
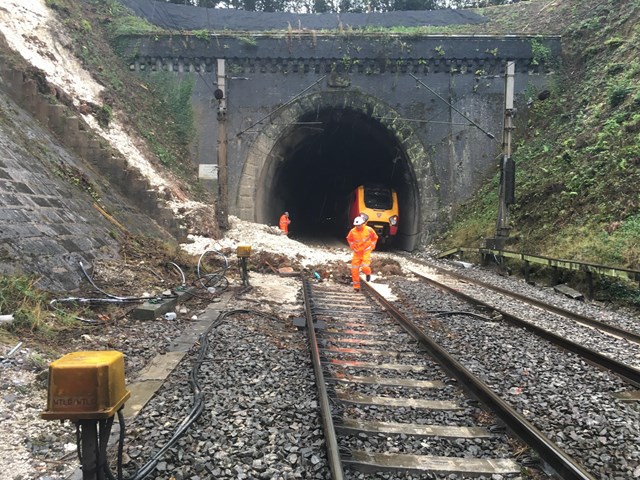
(41, 110)
(56, 118)
(70, 131)
(30, 94)
(14, 80)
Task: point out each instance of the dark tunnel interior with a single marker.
(321, 159)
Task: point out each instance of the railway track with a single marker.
(391, 401)
(458, 280)
(469, 289)
(557, 389)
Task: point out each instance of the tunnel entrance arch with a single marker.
(314, 152)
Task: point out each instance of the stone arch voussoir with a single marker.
(272, 130)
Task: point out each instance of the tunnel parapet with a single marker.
(463, 53)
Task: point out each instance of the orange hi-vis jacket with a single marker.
(362, 240)
(284, 223)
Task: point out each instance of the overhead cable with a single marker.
(488, 134)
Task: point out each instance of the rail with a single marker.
(333, 452)
(631, 336)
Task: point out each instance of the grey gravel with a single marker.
(261, 415)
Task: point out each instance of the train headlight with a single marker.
(393, 220)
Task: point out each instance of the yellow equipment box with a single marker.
(86, 385)
(243, 251)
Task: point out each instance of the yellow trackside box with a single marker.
(86, 385)
(243, 251)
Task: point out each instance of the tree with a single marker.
(414, 5)
(334, 6)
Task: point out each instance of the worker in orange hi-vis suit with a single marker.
(362, 240)
(284, 223)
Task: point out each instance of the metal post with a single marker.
(590, 291)
(89, 432)
(502, 225)
(223, 201)
(244, 274)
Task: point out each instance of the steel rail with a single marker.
(333, 453)
(631, 336)
(551, 454)
(626, 372)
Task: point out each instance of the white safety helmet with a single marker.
(358, 221)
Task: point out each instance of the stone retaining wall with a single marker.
(65, 196)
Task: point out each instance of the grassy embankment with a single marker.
(578, 156)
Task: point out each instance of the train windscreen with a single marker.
(378, 198)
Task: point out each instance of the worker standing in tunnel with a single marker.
(284, 223)
(362, 240)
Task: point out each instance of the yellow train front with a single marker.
(379, 205)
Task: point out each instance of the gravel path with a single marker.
(260, 419)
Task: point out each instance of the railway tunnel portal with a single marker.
(334, 145)
(302, 117)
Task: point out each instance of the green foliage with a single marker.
(248, 42)
(175, 93)
(614, 42)
(475, 220)
(18, 296)
(103, 115)
(160, 113)
(620, 291)
(540, 52)
(615, 69)
(617, 92)
(85, 25)
(577, 152)
(58, 5)
(132, 25)
(165, 156)
(202, 34)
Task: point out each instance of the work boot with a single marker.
(368, 277)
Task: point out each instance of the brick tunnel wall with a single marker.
(265, 73)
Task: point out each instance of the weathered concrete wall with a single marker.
(63, 196)
(444, 93)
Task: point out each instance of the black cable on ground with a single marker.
(103, 442)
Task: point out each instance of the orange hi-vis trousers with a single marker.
(360, 260)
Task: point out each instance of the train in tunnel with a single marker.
(379, 205)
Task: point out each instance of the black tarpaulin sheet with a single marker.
(172, 16)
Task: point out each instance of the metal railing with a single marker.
(605, 270)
